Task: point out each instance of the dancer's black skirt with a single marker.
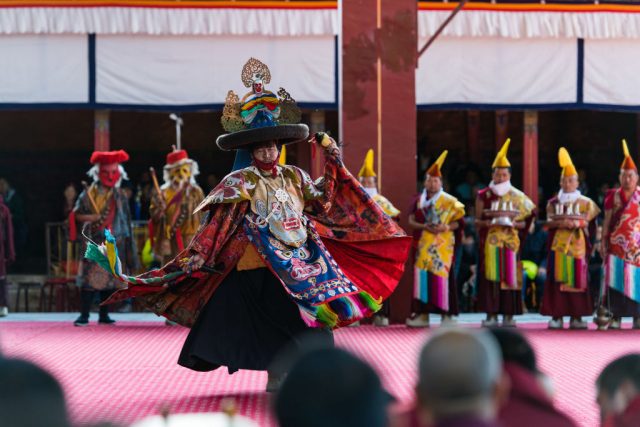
(248, 321)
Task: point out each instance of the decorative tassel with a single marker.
(93, 253)
(326, 316)
(106, 256)
(370, 302)
(342, 307)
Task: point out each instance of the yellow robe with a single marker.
(186, 221)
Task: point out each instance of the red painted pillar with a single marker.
(378, 106)
(101, 130)
(530, 155)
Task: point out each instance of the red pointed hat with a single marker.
(177, 156)
(107, 157)
(627, 163)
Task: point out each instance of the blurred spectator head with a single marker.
(70, 192)
(618, 385)
(145, 177)
(582, 175)
(460, 375)
(470, 210)
(471, 177)
(30, 396)
(330, 387)
(515, 348)
(4, 185)
(127, 190)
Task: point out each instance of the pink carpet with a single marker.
(125, 372)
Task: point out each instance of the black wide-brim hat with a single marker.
(283, 134)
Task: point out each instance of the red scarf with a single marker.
(272, 166)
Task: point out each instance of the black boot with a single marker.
(86, 299)
(104, 318)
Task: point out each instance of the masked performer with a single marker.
(278, 254)
(172, 210)
(438, 219)
(621, 246)
(501, 239)
(571, 223)
(103, 205)
(369, 180)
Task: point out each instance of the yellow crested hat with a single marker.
(627, 163)
(436, 168)
(367, 170)
(283, 156)
(501, 160)
(568, 169)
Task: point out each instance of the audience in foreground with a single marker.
(618, 392)
(530, 401)
(330, 387)
(460, 382)
(30, 396)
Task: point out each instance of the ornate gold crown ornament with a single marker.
(260, 115)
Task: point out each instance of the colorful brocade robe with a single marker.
(435, 252)
(335, 252)
(570, 248)
(502, 244)
(622, 269)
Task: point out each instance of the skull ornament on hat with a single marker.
(260, 116)
(107, 168)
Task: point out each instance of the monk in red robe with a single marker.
(621, 247)
(618, 392)
(501, 240)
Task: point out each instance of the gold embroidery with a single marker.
(279, 203)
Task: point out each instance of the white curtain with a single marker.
(163, 70)
(44, 69)
(497, 71)
(612, 72)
